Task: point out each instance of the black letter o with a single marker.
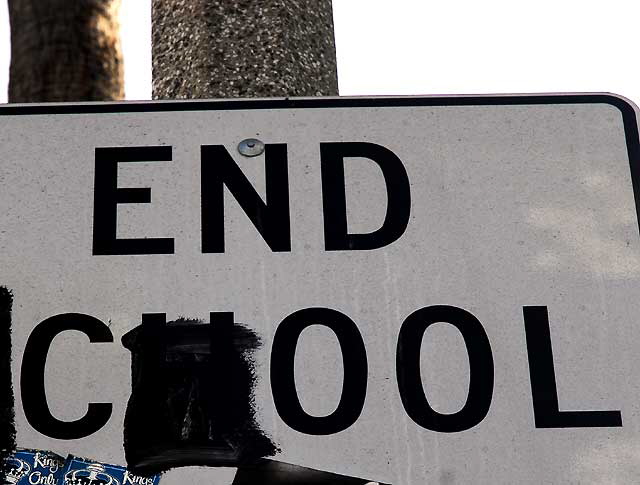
(410, 385)
(354, 356)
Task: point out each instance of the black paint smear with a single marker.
(7, 416)
(268, 472)
(192, 398)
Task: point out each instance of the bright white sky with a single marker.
(447, 47)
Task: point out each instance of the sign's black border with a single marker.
(628, 112)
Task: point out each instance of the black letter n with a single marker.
(271, 218)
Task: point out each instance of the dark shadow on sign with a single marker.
(7, 424)
(192, 395)
(269, 472)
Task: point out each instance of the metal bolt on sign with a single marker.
(251, 147)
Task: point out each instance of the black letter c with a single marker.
(34, 399)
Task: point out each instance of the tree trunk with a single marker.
(243, 48)
(65, 50)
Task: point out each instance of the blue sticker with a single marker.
(34, 467)
(78, 471)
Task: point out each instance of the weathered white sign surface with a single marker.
(468, 266)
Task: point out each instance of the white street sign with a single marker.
(469, 267)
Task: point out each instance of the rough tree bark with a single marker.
(243, 48)
(65, 50)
